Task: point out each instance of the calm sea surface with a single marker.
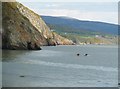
(57, 66)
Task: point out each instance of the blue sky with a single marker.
(92, 11)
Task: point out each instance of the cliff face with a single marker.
(24, 29)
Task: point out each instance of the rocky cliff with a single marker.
(24, 29)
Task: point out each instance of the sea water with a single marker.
(60, 66)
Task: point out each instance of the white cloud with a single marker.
(85, 12)
(68, 0)
(110, 17)
(52, 5)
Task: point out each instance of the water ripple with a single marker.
(76, 66)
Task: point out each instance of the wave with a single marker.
(76, 66)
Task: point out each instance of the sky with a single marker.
(102, 11)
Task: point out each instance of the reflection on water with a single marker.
(0, 74)
(9, 55)
(0, 55)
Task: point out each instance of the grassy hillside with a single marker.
(83, 32)
(81, 26)
(78, 39)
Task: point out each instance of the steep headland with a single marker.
(24, 29)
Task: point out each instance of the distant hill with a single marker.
(72, 25)
(83, 32)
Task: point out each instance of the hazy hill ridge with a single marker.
(81, 25)
(24, 29)
(83, 32)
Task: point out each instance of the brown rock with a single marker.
(24, 29)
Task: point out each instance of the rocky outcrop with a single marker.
(61, 40)
(24, 29)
